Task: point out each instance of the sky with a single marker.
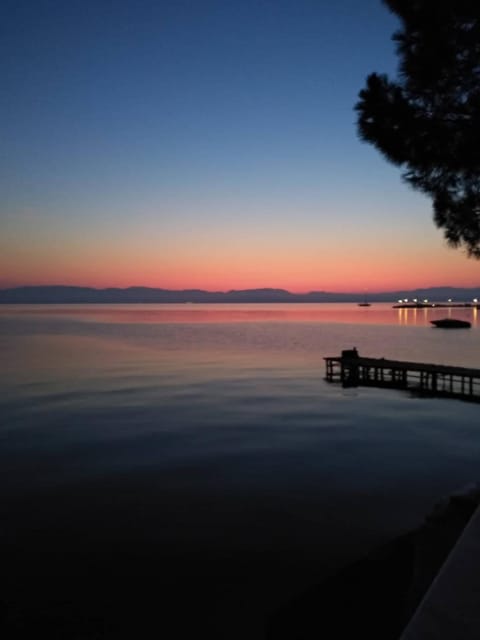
(204, 144)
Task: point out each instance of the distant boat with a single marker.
(364, 303)
(451, 323)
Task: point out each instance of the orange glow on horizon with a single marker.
(297, 264)
(356, 284)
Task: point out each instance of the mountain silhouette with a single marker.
(60, 294)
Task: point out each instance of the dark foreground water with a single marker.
(186, 469)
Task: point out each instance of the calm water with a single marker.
(194, 453)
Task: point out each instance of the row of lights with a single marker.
(475, 300)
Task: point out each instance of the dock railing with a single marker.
(351, 369)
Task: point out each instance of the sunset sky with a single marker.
(204, 144)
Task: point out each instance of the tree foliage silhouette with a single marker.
(427, 121)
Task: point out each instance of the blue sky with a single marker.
(137, 133)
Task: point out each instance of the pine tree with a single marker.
(427, 121)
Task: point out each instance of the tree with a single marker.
(427, 121)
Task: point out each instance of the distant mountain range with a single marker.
(64, 295)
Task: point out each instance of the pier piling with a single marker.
(351, 369)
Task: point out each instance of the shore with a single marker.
(178, 596)
(376, 596)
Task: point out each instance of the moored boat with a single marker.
(451, 323)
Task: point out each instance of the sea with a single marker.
(188, 466)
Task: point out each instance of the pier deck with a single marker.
(429, 379)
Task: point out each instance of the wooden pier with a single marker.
(352, 370)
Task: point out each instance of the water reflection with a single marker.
(380, 313)
(424, 316)
(200, 447)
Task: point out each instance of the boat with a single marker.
(451, 323)
(364, 304)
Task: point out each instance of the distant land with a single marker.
(77, 295)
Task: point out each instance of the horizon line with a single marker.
(368, 292)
